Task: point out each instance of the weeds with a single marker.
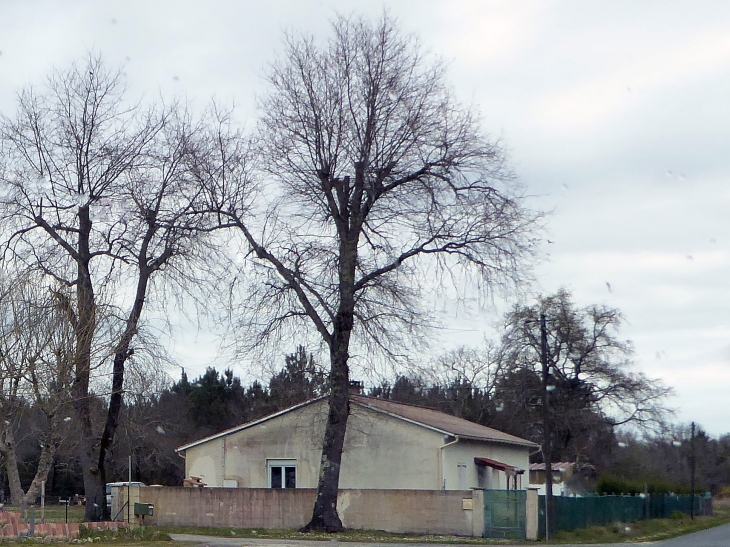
(645, 530)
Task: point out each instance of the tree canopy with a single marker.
(594, 390)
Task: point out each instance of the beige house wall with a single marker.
(380, 451)
(205, 461)
(384, 452)
(463, 453)
(240, 458)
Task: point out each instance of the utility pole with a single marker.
(692, 473)
(546, 444)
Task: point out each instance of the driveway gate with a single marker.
(505, 514)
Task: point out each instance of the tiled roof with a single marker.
(556, 466)
(426, 417)
(440, 421)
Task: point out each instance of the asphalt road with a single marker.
(714, 537)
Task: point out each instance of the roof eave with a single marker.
(525, 443)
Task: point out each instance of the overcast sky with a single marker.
(616, 115)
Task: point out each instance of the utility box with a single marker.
(144, 510)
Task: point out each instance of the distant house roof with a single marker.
(556, 466)
(440, 421)
(429, 418)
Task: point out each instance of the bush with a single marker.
(611, 484)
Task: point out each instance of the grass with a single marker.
(53, 513)
(645, 530)
(373, 536)
(137, 536)
(637, 532)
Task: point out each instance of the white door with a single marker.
(461, 474)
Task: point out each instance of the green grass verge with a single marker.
(637, 532)
(373, 536)
(52, 513)
(143, 534)
(645, 530)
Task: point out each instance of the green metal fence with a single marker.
(505, 514)
(580, 512)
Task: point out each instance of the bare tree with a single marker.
(477, 367)
(96, 194)
(36, 345)
(378, 188)
(590, 371)
(467, 376)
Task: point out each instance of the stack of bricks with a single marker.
(12, 526)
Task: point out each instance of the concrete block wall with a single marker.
(229, 507)
(407, 511)
(397, 511)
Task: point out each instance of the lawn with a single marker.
(642, 531)
(645, 530)
(373, 536)
(53, 513)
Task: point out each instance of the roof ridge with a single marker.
(414, 405)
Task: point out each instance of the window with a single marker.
(282, 473)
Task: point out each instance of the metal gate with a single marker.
(505, 514)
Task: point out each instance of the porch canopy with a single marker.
(511, 471)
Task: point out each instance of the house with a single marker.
(561, 472)
(388, 445)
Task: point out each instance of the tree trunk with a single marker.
(121, 354)
(7, 449)
(44, 467)
(84, 330)
(325, 517)
(94, 493)
(112, 421)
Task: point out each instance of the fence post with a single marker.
(532, 515)
(477, 513)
